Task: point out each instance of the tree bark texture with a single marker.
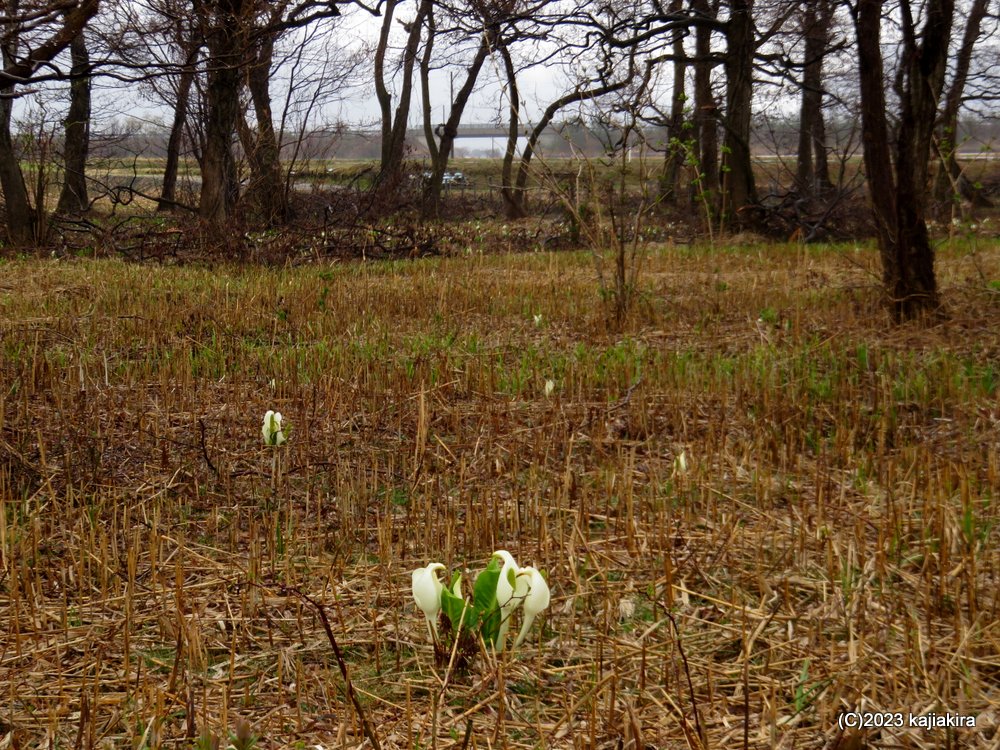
(73, 197)
(738, 188)
(812, 169)
(223, 37)
(705, 108)
(168, 195)
(897, 187)
(673, 158)
(951, 183)
(266, 191)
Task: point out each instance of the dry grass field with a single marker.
(831, 544)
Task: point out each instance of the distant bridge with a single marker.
(482, 130)
(472, 130)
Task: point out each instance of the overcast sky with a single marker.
(538, 86)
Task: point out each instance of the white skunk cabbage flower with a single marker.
(535, 601)
(273, 432)
(522, 585)
(507, 598)
(427, 594)
(681, 464)
(550, 385)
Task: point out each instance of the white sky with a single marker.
(359, 107)
(537, 85)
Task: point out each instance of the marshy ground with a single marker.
(832, 544)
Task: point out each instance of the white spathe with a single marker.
(272, 430)
(536, 599)
(427, 589)
(681, 464)
(507, 598)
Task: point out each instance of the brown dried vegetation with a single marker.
(832, 544)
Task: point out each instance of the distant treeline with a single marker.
(561, 140)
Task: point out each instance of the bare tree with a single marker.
(394, 125)
(482, 21)
(601, 69)
(239, 36)
(674, 152)
(534, 34)
(33, 38)
(583, 92)
(266, 189)
(812, 167)
(738, 188)
(73, 198)
(897, 180)
(950, 181)
(189, 45)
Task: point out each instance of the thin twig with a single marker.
(687, 673)
(204, 448)
(468, 735)
(366, 727)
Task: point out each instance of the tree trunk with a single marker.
(266, 189)
(425, 87)
(168, 195)
(512, 198)
(738, 188)
(73, 198)
(805, 168)
(394, 128)
(898, 198)
(20, 216)
(22, 221)
(821, 156)
(432, 193)
(812, 168)
(950, 182)
(673, 158)
(219, 187)
(705, 109)
(382, 94)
